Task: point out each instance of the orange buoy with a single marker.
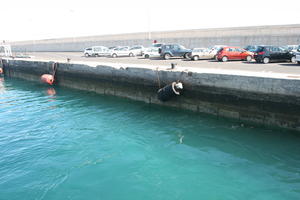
(47, 78)
(1, 71)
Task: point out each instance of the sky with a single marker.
(47, 19)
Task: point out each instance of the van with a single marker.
(96, 51)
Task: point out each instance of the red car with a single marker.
(234, 53)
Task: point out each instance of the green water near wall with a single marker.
(67, 144)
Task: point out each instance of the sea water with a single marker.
(58, 143)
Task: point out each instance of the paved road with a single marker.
(286, 68)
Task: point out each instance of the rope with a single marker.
(1, 66)
(54, 68)
(158, 80)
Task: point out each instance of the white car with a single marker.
(202, 53)
(291, 48)
(151, 52)
(298, 58)
(96, 51)
(152, 47)
(137, 50)
(121, 51)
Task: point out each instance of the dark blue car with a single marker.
(174, 50)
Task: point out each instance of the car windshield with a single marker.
(198, 50)
(217, 48)
(182, 47)
(220, 49)
(284, 49)
(133, 48)
(260, 49)
(251, 48)
(157, 45)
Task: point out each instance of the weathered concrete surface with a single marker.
(255, 69)
(264, 100)
(240, 36)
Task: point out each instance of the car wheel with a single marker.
(167, 56)
(131, 54)
(195, 58)
(187, 55)
(298, 62)
(249, 58)
(114, 55)
(86, 55)
(225, 59)
(293, 59)
(266, 60)
(147, 56)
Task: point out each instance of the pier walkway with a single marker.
(242, 67)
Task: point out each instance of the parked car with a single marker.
(96, 51)
(297, 59)
(121, 51)
(174, 50)
(233, 53)
(153, 46)
(137, 50)
(266, 54)
(202, 53)
(151, 52)
(297, 54)
(205, 53)
(292, 48)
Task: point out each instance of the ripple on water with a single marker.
(79, 145)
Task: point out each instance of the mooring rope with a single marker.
(158, 80)
(1, 66)
(54, 68)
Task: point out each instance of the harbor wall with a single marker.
(241, 36)
(267, 101)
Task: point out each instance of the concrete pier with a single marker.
(264, 98)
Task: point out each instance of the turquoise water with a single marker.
(68, 144)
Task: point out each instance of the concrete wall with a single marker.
(269, 101)
(242, 36)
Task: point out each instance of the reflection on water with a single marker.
(89, 146)
(51, 92)
(2, 88)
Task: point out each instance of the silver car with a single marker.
(202, 53)
(205, 53)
